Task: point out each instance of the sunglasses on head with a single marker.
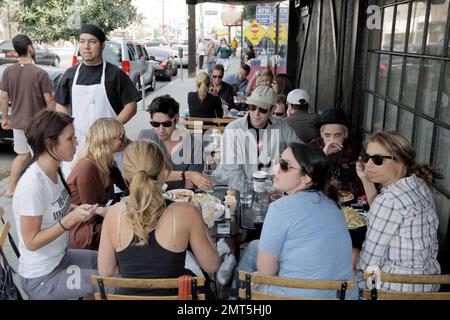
(261, 110)
(376, 159)
(165, 124)
(284, 165)
(217, 77)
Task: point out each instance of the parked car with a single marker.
(43, 55)
(132, 57)
(162, 59)
(55, 74)
(184, 58)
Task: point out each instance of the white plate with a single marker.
(184, 197)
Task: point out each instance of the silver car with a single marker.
(132, 57)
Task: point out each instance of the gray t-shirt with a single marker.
(187, 156)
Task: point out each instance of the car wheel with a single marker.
(175, 71)
(169, 76)
(56, 62)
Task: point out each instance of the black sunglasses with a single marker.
(284, 165)
(376, 159)
(217, 77)
(278, 114)
(165, 124)
(122, 137)
(253, 108)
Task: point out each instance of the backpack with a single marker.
(8, 289)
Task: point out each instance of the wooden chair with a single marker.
(172, 283)
(374, 294)
(250, 294)
(212, 123)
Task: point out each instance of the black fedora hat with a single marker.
(334, 116)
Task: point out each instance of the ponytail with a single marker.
(202, 92)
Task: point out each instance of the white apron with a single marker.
(89, 103)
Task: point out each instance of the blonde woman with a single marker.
(93, 177)
(141, 236)
(203, 104)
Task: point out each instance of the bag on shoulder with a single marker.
(8, 289)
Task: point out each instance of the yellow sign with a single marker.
(282, 33)
(255, 32)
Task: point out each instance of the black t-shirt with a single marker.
(119, 88)
(211, 107)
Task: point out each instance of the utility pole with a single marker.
(191, 41)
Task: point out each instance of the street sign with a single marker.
(282, 33)
(255, 32)
(263, 14)
(284, 15)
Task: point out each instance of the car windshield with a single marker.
(6, 45)
(113, 53)
(157, 52)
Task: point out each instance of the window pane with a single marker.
(405, 123)
(378, 116)
(394, 80)
(443, 212)
(372, 72)
(387, 28)
(390, 123)
(400, 27)
(368, 112)
(444, 112)
(419, 9)
(423, 137)
(441, 158)
(430, 84)
(410, 82)
(436, 27)
(383, 70)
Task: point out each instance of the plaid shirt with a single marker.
(346, 173)
(402, 233)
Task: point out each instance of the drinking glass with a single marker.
(246, 190)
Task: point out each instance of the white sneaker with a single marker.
(226, 269)
(222, 247)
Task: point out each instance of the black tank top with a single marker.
(147, 262)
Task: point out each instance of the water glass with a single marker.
(246, 191)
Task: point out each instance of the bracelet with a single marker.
(60, 223)
(183, 175)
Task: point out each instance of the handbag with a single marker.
(8, 289)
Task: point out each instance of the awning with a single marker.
(231, 1)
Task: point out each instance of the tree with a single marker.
(51, 20)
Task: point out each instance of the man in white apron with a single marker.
(85, 87)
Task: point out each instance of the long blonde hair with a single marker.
(203, 83)
(99, 144)
(403, 152)
(144, 167)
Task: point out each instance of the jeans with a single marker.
(247, 263)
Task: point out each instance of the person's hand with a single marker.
(83, 212)
(101, 211)
(360, 170)
(5, 124)
(332, 147)
(200, 181)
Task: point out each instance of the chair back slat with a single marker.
(4, 233)
(372, 294)
(170, 283)
(340, 286)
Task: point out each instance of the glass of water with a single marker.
(246, 190)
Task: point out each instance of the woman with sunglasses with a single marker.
(93, 178)
(402, 222)
(202, 104)
(182, 149)
(280, 107)
(304, 235)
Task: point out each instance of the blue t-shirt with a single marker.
(308, 233)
